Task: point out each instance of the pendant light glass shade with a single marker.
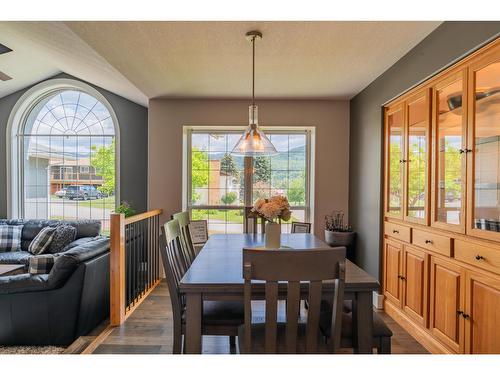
(253, 142)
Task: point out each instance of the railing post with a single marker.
(117, 270)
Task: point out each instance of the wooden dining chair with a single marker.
(187, 243)
(298, 227)
(293, 266)
(251, 222)
(220, 318)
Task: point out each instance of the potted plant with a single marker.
(338, 233)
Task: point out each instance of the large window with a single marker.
(66, 158)
(219, 185)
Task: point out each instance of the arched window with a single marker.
(66, 157)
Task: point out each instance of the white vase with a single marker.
(273, 235)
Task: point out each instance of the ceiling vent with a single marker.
(4, 49)
(4, 77)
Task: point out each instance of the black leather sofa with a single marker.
(57, 308)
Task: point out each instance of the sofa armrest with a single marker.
(23, 283)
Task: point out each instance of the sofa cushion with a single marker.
(78, 242)
(67, 262)
(84, 228)
(42, 241)
(41, 264)
(63, 236)
(10, 238)
(16, 257)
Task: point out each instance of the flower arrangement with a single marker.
(272, 209)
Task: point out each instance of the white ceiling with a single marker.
(141, 60)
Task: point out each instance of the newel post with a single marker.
(117, 270)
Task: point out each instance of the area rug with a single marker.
(31, 350)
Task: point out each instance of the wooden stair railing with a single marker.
(134, 262)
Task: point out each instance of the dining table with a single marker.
(216, 274)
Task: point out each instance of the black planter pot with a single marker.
(347, 239)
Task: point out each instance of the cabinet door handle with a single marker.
(462, 151)
(460, 312)
(402, 161)
(395, 231)
(401, 277)
(467, 150)
(466, 316)
(428, 241)
(480, 257)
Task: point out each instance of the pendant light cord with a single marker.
(253, 79)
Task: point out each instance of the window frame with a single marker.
(189, 130)
(15, 131)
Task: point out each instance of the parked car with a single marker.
(82, 192)
(60, 193)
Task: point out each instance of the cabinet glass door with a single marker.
(449, 153)
(417, 157)
(395, 149)
(485, 147)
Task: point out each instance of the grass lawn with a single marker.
(108, 202)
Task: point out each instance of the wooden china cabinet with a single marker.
(441, 253)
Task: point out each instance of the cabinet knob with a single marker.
(462, 151)
(402, 161)
(395, 231)
(428, 241)
(460, 312)
(480, 257)
(466, 316)
(468, 150)
(401, 277)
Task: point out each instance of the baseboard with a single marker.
(417, 332)
(378, 301)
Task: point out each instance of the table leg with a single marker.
(193, 323)
(362, 316)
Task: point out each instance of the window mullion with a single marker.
(248, 179)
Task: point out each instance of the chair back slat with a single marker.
(251, 222)
(292, 311)
(293, 266)
(313, 311)
(271, 316)
(186, 242)
(173, 273)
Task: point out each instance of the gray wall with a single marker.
(447, 43)
(133, 121)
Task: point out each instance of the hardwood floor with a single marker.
(149, 331)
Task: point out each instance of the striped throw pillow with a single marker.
(10, 238)
(42, 241)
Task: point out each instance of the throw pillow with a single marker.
(63, 236)
(41, 264)
(42, 241)
(10, 238)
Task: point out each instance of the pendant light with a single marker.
(253, 142)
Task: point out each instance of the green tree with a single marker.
(229, 198)
(228, 165)
(262, 169)
(199, 169)
(297, 191)
(103, 161)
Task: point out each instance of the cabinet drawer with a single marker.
(397, 231)
(481, 256)
(431, 241)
